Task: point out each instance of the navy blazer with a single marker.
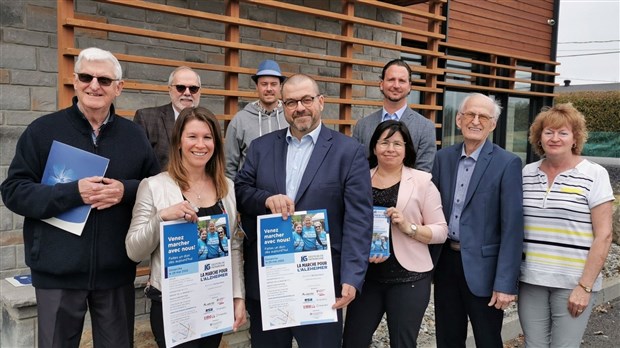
(336, 178)
(158, 123)
(491, 223)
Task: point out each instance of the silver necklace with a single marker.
(195, 193)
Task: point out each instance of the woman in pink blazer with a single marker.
(400, 283)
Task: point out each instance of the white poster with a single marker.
(197, 296)
(295, 270)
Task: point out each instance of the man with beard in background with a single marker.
(258, 118)
(395, 86)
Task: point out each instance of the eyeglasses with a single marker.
(398, 145)
(469, 116)
(305, 101)
(182, 88)
(102, 80)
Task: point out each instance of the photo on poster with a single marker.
(295, 273)
(196, 278)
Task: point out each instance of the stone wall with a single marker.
(28, 66)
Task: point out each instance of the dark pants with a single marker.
(157, 326)
(328, 335)
(61, 316)
(404, 303)
(454, 303)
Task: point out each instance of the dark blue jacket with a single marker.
(58, 259)
(337, 178)
(491, 223)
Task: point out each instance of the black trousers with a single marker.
(328, 335)
(454, 303)
(61, 316)
(157, 326)
(404, 303)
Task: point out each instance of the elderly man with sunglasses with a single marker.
(75, 273)
(184, 90)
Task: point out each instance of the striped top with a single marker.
(558, 226)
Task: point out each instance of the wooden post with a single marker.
(231, 57)
(432, 62)
(346, 69)
(65, 62)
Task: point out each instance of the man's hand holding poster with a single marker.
(295, 272)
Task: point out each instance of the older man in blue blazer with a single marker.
(304, 167)
(395, 86)
(481, 190)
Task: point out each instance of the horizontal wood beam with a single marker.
(80, 23)
(498, 53)
(497, 65)
(497, 77)
(402, 9)
(269, 26)
(240, 70)
(495, 89)
(356, 20)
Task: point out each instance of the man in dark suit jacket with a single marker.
(304, 167)
(478, 268)
(184, 89)
(395, 86)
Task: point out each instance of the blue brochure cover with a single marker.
(380, 246)
(65, 164)
(21, 280)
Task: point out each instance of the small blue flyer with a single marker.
(380, 246)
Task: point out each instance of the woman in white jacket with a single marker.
(194, 185)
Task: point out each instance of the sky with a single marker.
(588, 28)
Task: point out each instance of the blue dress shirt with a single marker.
(465, 170)
(297, 157)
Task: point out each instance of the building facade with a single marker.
(504, 48)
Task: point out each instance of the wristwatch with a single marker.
(414, 230)
(585, 288)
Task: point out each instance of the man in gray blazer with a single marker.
(395, 86)
(184, 89)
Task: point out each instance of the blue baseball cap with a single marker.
(268, 67)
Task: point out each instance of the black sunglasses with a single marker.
(102, 80)
(182, 88)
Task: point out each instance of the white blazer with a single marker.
(159, 192)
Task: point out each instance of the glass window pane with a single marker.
(450, 133)
(517, 125)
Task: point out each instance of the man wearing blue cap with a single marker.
(258, 118)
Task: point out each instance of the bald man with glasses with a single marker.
(184, 89)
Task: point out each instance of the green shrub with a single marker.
(602, 113)
(601, 109)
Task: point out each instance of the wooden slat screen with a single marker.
(234, 48)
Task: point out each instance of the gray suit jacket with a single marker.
(422, 133)
(158, 123)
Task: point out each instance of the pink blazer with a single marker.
(420, 203)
